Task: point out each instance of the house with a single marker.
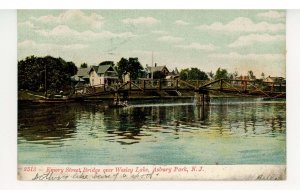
(103, 75)
(276, 83)
(274, 79)
(173, 75)
(77, 82)
(81, 78)
(83, 73)
(163, 69)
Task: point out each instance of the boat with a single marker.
(62, 99)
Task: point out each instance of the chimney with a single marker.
(155, 64)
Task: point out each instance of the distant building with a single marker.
(82, 77)
(83, 73)
(103, 75)
(276, 83)
(275, 79)
(151, 70)
(173, 75)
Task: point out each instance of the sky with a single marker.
(236, 40)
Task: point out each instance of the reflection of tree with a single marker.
(253, 119)
(183, 113)
(45, 124)
(126, 123)
(275, 118)
(221, 117)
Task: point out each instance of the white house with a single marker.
(274, 79)
(103, 74)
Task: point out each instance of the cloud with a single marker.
(272, 14)
(26, 24)
(253, 39)
(197, 46)
(65, 31)
(170, 39)
(181, 22)
(271, 64)
(141, 21)
(159, 32)
(73, 18)
(236, 57)
(242, 24)
(30, 44)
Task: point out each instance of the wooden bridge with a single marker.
(176, 87)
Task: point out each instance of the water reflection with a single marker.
(125, 125)
(95, 125)
(46, 125)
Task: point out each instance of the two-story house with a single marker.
(103, 75)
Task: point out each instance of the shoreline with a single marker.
(31, 97)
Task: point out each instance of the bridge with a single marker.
(175, 87)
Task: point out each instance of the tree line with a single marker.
(41, 73)
(197, 74)
(54, 74)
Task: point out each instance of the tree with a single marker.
(135, 68)
(122, 67)
(262, 75)
(211, 75)
(196, 74)
(233, 75)
(107, 63)
(132, 67)
(221, 74)
(38, 73)
(84, 65)
(183, 75)
(251, 75)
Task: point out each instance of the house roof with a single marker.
(77, 79)
(101, 68)
(174, 72)
(157, 68)
(83, 72)
(274, 78)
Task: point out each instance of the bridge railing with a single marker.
(229, 85)
(161, 84)
(250, 86)
(253, 85)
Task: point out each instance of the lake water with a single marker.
(229, 131)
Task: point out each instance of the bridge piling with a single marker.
(201, 99)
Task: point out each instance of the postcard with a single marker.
(151, 95)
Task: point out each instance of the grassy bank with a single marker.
(27, 95)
